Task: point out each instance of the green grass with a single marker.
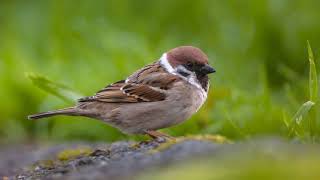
(264, 162)
(57, 89)
(257, 47)
(296, 128)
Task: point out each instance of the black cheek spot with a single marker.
(184, 73)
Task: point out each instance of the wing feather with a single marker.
(146, 85)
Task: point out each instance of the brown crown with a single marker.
(186, 54)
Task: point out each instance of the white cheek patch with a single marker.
(191, 78)
(183, 71)
(165, 63)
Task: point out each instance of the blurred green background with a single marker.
(259, 49)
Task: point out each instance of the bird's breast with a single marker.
(188, 97)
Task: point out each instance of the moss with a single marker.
(74, 153)
(207, 137)
(47, 164)
(136, 145)
(42, 164)
(278, 162)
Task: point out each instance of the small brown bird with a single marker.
(159, 95)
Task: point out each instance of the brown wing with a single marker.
(140, 87)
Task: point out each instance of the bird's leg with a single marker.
(159, 136)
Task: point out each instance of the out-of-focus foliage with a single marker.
(276, 163)
(257, 47)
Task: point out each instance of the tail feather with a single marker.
(67, 111)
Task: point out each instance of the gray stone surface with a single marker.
(120, 160)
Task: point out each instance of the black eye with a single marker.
(189, 65)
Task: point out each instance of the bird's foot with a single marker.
(159, 136)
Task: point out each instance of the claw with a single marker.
(159, 136)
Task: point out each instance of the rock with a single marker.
(120, 160)
(208, 157)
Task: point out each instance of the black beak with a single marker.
(207, 69)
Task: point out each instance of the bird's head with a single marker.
(187, 60)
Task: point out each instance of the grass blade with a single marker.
(313, 79)
(303, 110)
(57, 89)
(297, 118)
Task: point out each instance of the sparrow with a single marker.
(160, 95)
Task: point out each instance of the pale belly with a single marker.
(135, 118)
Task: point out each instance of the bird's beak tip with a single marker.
(208, 69)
